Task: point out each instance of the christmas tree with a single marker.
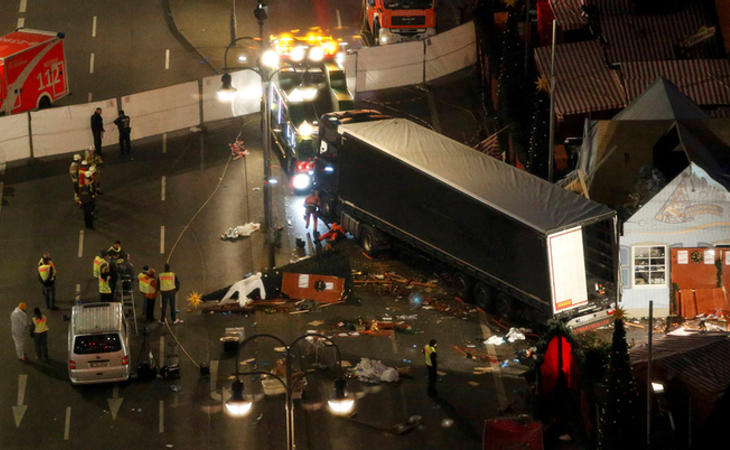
(620, 414)
(537, 153)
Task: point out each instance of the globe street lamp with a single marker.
(237, 405)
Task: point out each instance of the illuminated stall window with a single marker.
(650, 265)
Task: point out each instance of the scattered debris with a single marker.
(239, 231)
(516, 334)
(494, 340)
(374, 371)
(316, 323)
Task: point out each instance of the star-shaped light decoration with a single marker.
(542, 84)
(510, 3)
(194, 299)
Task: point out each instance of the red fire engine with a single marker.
(32, 70)
(391, 21)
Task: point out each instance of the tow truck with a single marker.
(392, 21)
(32, 70)
(311, 82)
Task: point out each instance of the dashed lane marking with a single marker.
(162, 239)
(339, 19)
(91, 63)
(21, 22)
(81, 244)
(67, 425)
(161, 424)
(77, 296)
(162, 349)
(167, 59)
(93, 26)
(162, 188)
(23, 6)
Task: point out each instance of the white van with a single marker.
(98, 344)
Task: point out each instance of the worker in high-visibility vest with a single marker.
(429, 351)
(148, 287)
(105, 290)
(47, 277)
(99, 262)
(40, 334)
(169, 285)
(115, 251)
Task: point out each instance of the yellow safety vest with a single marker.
(44, 270)
(167, 281)
(428, 350)
(98, 264)
(104, 286)
(40, 325)
(145, 286)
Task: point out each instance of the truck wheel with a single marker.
(462, 285)
(44, 102)
(483, 296)
(367, 240)
(503, 305)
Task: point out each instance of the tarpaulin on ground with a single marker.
(500, 434)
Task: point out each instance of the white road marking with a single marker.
(81, 244)
(91, 63)
(164, 143)
(161, 357)
(67, 426)
(162, 193)
(162, 239)
(19, 410)
(23, 6)
(339, 19)
(493, 363)
(77, 297)
(21, 22)
(88, 97)
(167, 59)
(161, 425)
(93, 26)
(115, 402)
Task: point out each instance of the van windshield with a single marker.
(97, 343)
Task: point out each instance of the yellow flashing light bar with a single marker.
(314, 44)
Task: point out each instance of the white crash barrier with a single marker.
(68, 129)
(246, 101)
(451, 51)
(14, 139)
(409, 63)
(162, 110)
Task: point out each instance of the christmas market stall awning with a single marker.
(584, 83)
(569, 14)
(639, 37)
(705, 81)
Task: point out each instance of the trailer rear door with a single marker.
(567, 269)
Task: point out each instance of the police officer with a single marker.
(47, 277)
(88, 203)
(169, 285)
(429, 351)
(125, 130)
(105, 290)
(148, 286)
(99, 262)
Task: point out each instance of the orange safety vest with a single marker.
(44, 270)
(167, 281)
(145, 286)
(428, 350)
(40, 325)
(104, 286)
(312, 200)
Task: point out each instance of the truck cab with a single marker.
(391, 21)
(301, 91)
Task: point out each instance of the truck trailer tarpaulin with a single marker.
(527, 234)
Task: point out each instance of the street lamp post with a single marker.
(238, 406)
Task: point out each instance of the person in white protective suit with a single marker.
(20, 329)
(244, 288)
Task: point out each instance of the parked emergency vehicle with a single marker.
(32, 70)
(390, 21)
(310, 83)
